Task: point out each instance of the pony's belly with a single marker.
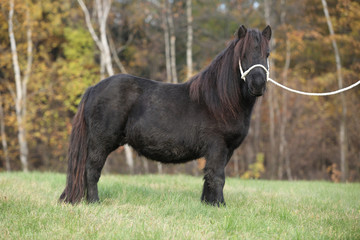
(164, 146)
(168, 155)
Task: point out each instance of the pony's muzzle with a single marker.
(257, 82)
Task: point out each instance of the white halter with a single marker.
(244, 74)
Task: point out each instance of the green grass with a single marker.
(168, 207)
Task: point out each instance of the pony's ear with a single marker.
(241, 32)
(267, 32)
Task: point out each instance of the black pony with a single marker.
(207, 116)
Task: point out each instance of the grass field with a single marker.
(168, 207)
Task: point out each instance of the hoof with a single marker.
(214, 203)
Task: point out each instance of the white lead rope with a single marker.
(243, 76)
(315, 94)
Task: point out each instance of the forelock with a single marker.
(252, 39)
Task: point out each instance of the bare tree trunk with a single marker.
(172, 41)
(103, 9)
(167, 45)
(21, 84)
(129, 158)
(94, 37)
(145, 164)
(102, 66)
(189, 62)
(189, 20)
(115, 55)
(236, 166)
(3, 137)
(257, 122)
(343, 137)
(272, 160)
(159, 166)
(283, 152)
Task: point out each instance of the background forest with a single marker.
(51, 51)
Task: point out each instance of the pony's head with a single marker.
(220, 85)
(251, 53)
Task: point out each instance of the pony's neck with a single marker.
(220, 88)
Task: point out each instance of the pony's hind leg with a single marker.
(101, 144)
(95, 162)
(106, 117)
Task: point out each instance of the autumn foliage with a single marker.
(305, 143)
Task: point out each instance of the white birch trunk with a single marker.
(129, 158)
(342, 133)
(159, 167)
(103, 9)
(115, 55)
(21, 84)
(172, 41)
(102, 66)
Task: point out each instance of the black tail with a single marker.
(77, 154)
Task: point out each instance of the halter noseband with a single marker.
(244, 74)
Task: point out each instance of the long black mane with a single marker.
(219, 85)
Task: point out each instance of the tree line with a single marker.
(51, 51)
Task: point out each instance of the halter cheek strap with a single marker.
(244, 74)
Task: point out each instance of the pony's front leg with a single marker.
(214, 177)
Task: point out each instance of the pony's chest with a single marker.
(235, 134)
